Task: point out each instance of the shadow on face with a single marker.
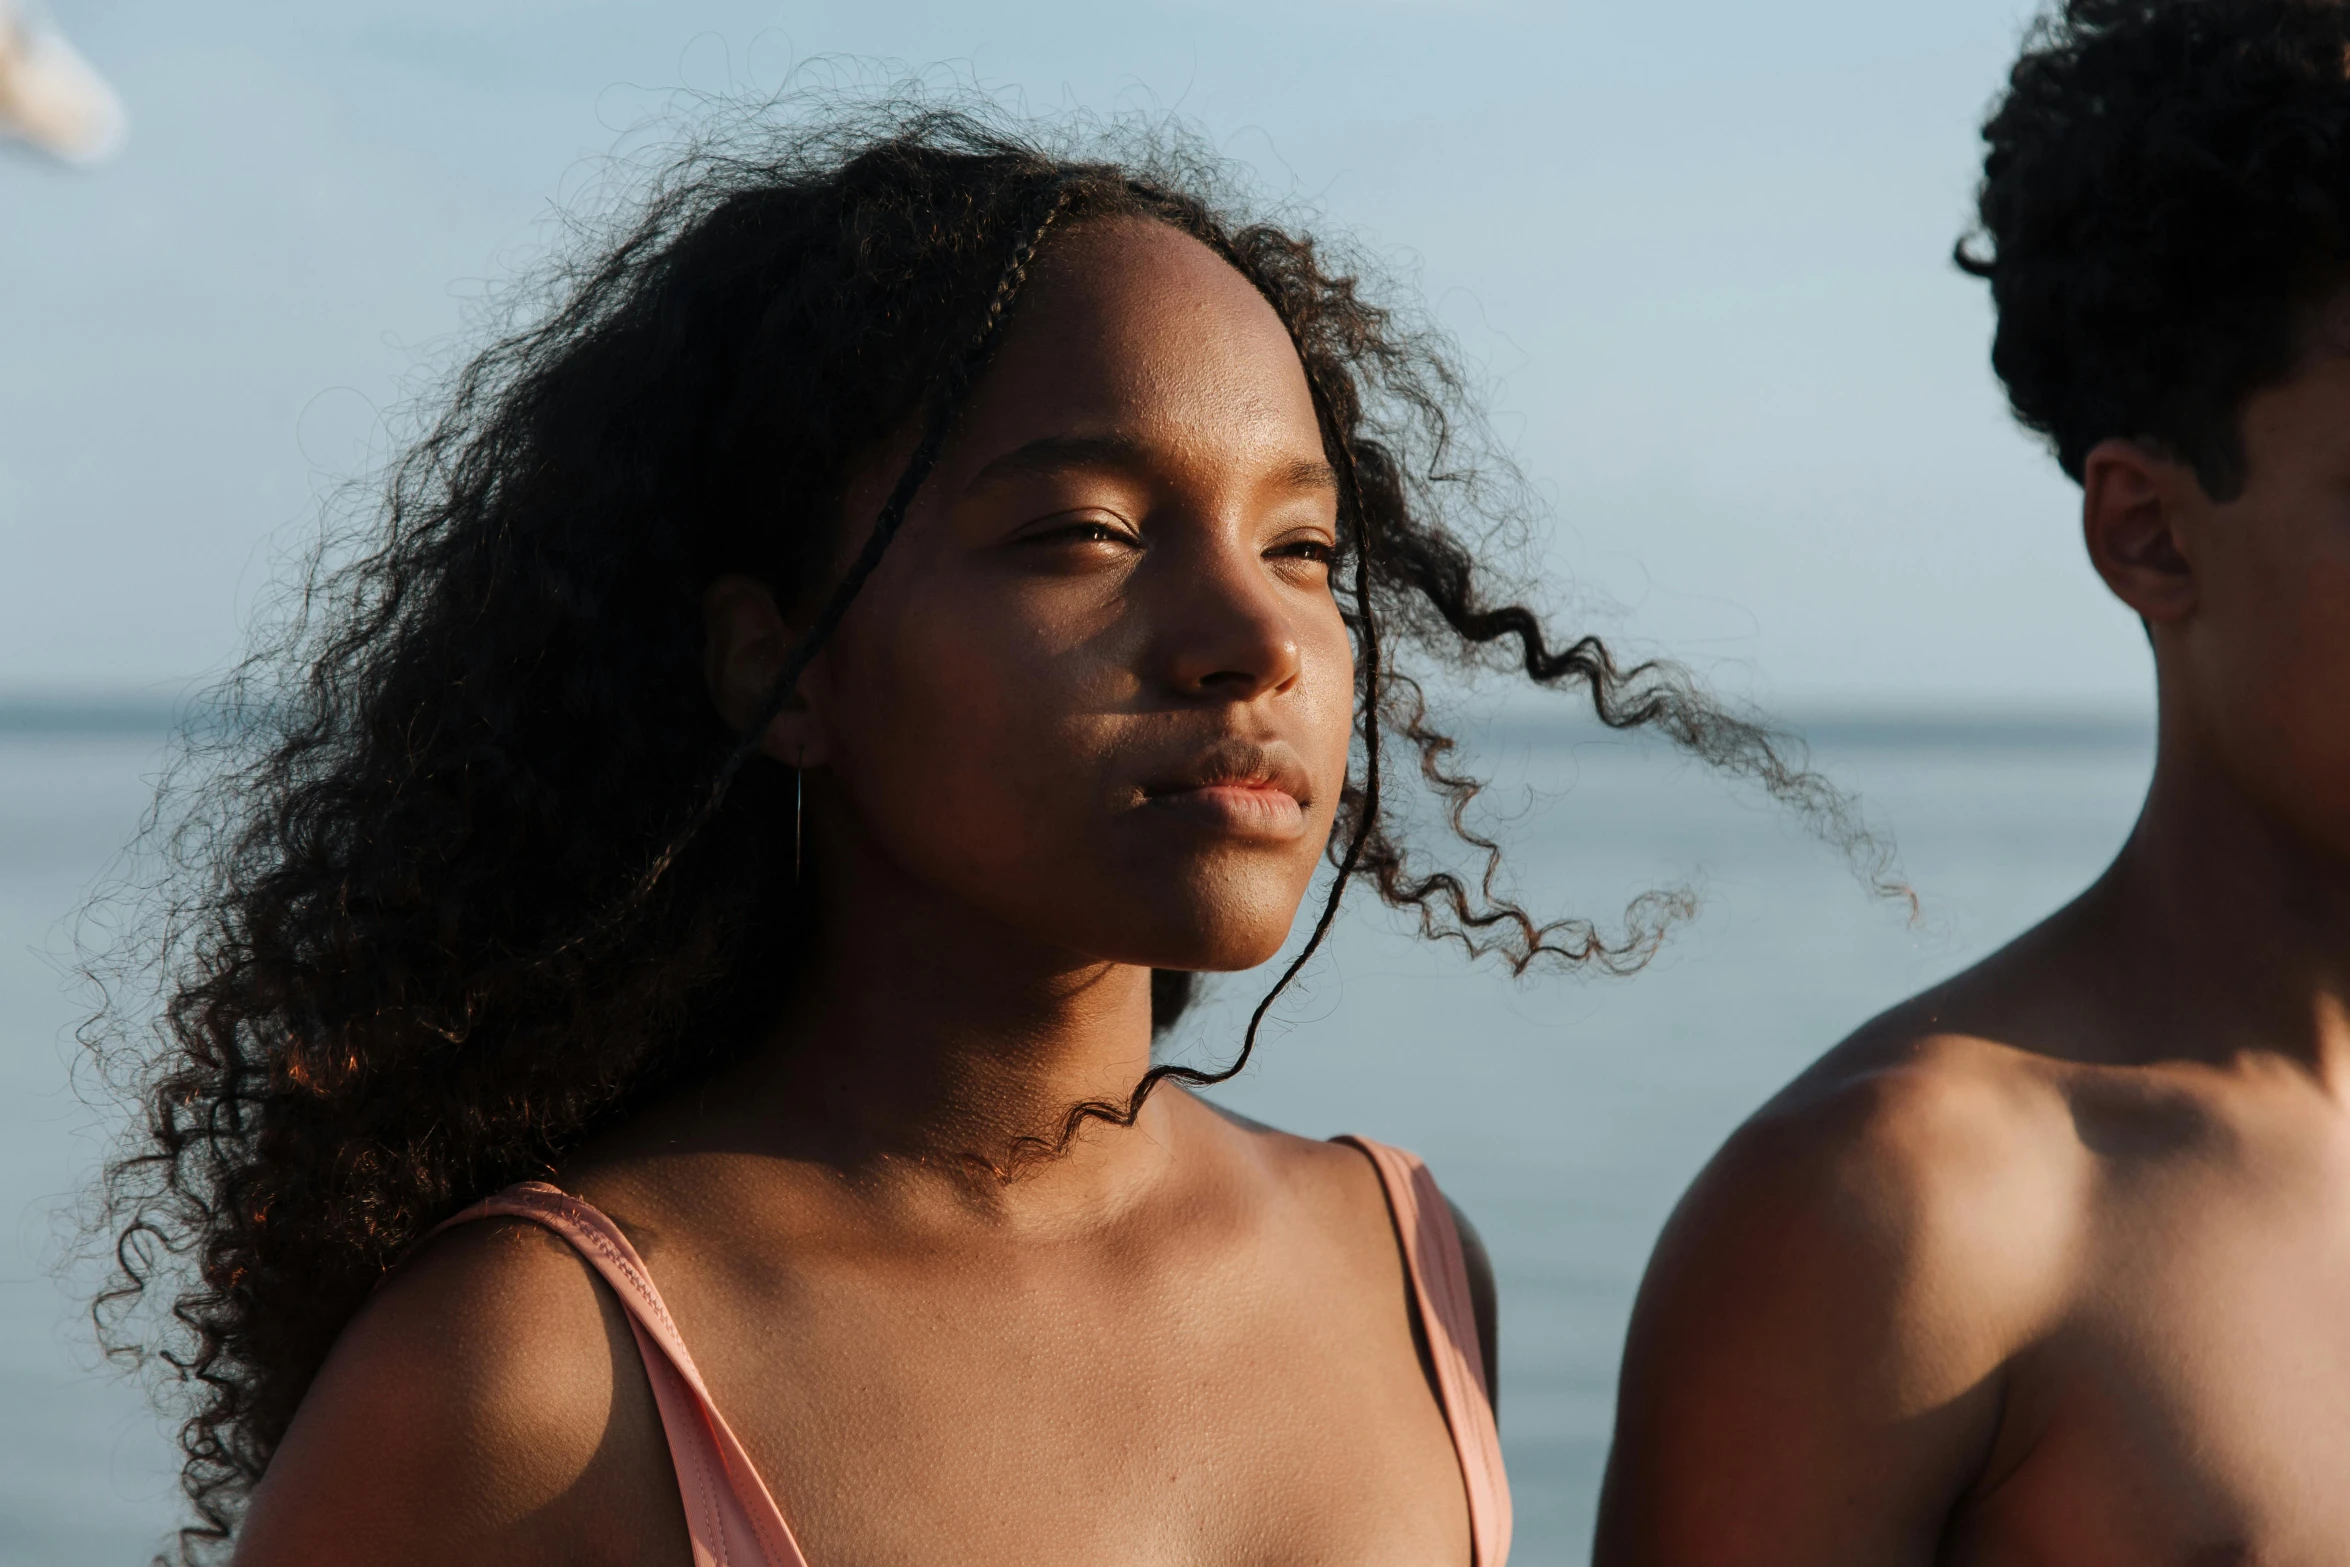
(2267, 649)
(1100, 695)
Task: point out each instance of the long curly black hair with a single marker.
(466, 865)
(2165, 198)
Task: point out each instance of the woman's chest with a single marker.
(1044, 1409)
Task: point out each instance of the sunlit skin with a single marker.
(2052, 1264)
(1092, 715)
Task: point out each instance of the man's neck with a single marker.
(2229, 932)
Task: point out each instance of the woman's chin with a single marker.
(1220, 947)
(1218, 912)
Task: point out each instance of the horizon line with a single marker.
(1878, 719)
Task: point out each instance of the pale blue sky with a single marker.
(1702, 249)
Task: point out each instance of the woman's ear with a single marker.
(745, 644)
(2136, 509)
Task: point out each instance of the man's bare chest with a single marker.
(2194, 1406)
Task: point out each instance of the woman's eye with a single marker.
(1087, 532)
(1306, 549)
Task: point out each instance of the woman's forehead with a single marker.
(1130, 325)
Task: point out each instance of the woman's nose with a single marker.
(1226, 631)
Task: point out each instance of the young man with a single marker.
(2052, 1264)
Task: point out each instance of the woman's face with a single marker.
(1099, 691)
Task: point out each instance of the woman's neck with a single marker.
(929, 1040)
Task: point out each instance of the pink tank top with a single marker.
(732, 1519)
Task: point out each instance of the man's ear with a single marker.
(2135, 506)
(745, 643)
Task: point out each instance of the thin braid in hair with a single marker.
(953, 391)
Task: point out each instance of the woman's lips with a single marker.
(1239, 810)
(1237, 788)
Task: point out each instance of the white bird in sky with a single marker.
(50, 96)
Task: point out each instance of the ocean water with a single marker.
(1564, 1112)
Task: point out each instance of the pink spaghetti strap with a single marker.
(730, 1517)
(732, 1520)
(1440, 1281)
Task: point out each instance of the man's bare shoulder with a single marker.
(1917, 1171)
(1842, 1292)
(2012, 1080)
(1930, 1108)
(1920, 1097)
(486, 1405)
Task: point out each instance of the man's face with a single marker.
(2265, 654)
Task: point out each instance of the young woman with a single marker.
(660, 1067)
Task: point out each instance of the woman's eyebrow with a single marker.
(1308, 473)
(1051, 454)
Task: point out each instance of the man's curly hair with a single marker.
(2165, 203)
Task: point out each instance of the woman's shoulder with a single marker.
(1310, 1169)
(487, 1404)
(1340, 1168)
(1341, 1177)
